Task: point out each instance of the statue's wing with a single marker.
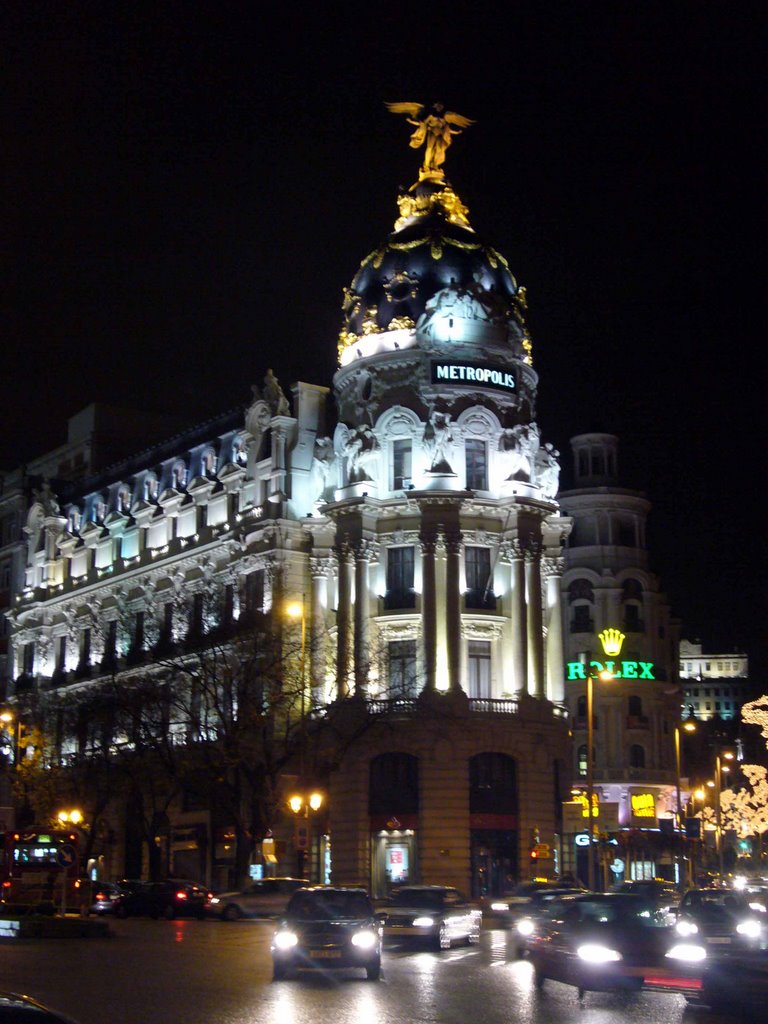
(458, 119)
(412, 109)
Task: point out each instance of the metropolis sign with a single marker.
(485, 374)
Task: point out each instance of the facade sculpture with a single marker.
(435, 127)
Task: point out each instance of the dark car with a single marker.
(172, 898)
(19, 1009)
(664, 895)
(436, 914)
(540, 906)
(104, 896)
(326, 928)
(614, 941)
(516, 903)
(737, 984)
(722, 920)
(267, 897)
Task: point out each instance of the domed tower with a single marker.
(448, 543)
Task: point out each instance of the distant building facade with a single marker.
(607, 584)
(714, 685)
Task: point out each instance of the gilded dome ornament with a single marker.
(435, 128)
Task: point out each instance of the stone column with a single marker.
(518, 618)
(535, 638)
(453, 547)
(343, 621)
(552, 570)
(363, 552)
(428, 541)
(318, 602)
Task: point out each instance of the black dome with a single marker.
(433, 247)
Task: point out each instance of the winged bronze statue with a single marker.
(435, 127)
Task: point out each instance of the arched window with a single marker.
(636, 756)
(492, 784)
(581, 760)
(580, 590)
(635, 706)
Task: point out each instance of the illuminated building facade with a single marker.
(421, 537)
(714, 685)
(608, 585)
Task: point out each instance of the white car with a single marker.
(265, 898)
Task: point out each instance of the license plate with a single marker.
(722, 940)
(325, 954)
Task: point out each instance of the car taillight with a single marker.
(6, 885)
(100, 896)
(181, 895)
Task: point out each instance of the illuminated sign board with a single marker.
(643, 805)
(611, 640)
(484, 374)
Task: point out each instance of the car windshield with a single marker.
(628, 910)
(719, 901)
(427, 899)
(329, 906)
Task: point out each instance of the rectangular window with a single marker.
(196, 616)
(479, 583)
(61, 654)
(401, 465)
(402, 668)
(28, 659)
(479, 668)
(476, 458)
(85, 649)
(400, 592)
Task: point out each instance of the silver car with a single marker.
(266, 898)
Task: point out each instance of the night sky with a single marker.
(188, 187)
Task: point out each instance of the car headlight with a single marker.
(595, 953)
(686, 928)
(499, 906)
(525, 926)
(214, 900)
(423, 922)
(364, 940)
(687, 951)
(751, 928)
(285, 939)
(758, 907)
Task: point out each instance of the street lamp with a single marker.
(7, 718)
(688, 726)
(295, 610)
(605, 676)
(301, 804)
(719, 769)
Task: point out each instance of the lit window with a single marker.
(476, 458)
(479, 668)
(401, 465)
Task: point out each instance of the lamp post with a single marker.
(296, 610)
(688, 726)
(605, 676)
(719, 769)
(302, 804)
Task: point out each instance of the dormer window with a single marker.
(179, 476)
(73, 520)
(100, 511)
(209, 462)
(151, 487)
(124, 500)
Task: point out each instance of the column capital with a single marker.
(552, 567)
(453, 541)
(511, 551)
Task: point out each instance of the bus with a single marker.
(39, 870)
